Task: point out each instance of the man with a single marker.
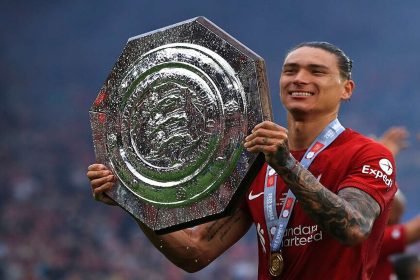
(397, 235)
(334, 231)
(396, 238)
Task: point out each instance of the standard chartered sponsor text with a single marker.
(301, 235)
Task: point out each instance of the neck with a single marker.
(303, 132)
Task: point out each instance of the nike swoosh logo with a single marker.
(252, 197)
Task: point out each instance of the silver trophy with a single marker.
(170, 121)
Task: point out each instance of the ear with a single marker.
(347, 90)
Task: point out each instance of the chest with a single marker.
(328, 172)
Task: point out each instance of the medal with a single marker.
(276, 264)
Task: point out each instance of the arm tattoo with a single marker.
(222, 227)
(348, 216)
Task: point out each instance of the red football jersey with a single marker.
(394, 242)
(309, 252)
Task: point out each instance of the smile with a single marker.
(301, 93)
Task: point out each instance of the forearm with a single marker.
(194, 248)
(179, 247)
(412, 229)
(343, 217)
(190, 249)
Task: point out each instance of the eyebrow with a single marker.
(311, 66)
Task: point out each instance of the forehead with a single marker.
(311, 56)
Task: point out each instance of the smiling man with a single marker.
(321, 202)
(340, 182)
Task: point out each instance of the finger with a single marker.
(263, 145)
(98, 174)
(96, 167)
(398, 134)
(97, 192)
(255, 149)
(262, 132)
(101, 181)
(398, 137)
(263, 149)
(264, 141)
(270, 126)
(265, 137)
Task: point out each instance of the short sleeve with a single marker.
(373, 171)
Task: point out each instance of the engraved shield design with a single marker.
(170, 121)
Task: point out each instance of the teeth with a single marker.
(301, 94)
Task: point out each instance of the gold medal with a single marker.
(276, 264)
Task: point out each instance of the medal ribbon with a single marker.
(324, 139)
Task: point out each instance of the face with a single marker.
(311, 84)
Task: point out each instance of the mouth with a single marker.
(301, 93)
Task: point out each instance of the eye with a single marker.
(318, 72)
(289, 71)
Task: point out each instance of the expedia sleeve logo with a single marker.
(386, 166)
(383, 174)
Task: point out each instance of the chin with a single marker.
(302, 113)
(298, 114)
(298, 109)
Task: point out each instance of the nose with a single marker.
(301, 77)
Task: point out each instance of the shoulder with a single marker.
(357, 143)
(366, 154)
(353, 136)
(371, 167)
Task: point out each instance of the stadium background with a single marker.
(55, 56)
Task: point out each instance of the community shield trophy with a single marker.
(170, 122)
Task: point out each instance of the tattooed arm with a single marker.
(191, 249)
(348, 215)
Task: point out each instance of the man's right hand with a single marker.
(101, 180)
